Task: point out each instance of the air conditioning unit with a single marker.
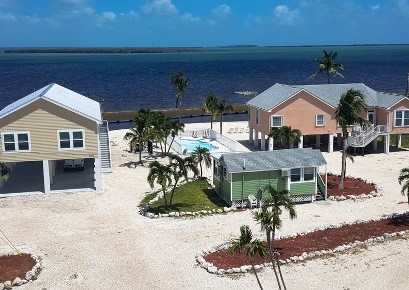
(285, 172)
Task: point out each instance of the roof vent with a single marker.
(244, 163)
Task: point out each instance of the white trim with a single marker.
(402, 119)
(70, 132)
(316, 120)
(16, 133)
(257, 116)
(388, 108)
(276, 116)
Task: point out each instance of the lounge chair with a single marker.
(236, 129)
(241, 130)
(252, 201)
(230, 131)
(194, 134)
(247, 129)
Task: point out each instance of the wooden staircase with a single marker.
(106, 162)
(362, 137)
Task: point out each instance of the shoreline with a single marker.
(128, 116)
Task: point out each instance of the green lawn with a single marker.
(192, 196)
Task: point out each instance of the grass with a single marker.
(147, 198)
(191, 196)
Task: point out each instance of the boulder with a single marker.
(16, 282)
(236, 270)
(7, 285)
(212, 269)
(226, 209)
(219, 210)
(29, 275)
(1, 286)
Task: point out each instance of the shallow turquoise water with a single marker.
(191, 145)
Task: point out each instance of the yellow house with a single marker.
(43, 130)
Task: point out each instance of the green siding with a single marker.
(225, 189)
(253, 181)
(302, 188)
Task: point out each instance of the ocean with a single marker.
(134, 81)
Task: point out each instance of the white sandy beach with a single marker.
(98, 240)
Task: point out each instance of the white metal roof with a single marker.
(62, 97)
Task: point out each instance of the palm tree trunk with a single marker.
(201, 170)
(344, 157)
(279, 270)
(255, 273)
(221, 122)
(173, 191)
(170, 145)
(180, 107)
(211, 122)
(271, 249)
(164, 195)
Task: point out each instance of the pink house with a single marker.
(311, 109)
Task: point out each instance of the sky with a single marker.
(192, 23)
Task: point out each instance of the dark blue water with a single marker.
(133, 81)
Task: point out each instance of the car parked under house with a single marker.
(45, 128)
(238, 175)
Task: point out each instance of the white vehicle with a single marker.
(74, 164)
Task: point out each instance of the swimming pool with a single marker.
(191, 145)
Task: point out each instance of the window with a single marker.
(302, 174)
(319, 120)
(71, 139)
(401, 118)
(16, 142)
(257, 117)
(276, 121)
(224, 173)
(308, 173)
(295, 174)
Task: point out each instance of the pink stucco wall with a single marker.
(402, 105)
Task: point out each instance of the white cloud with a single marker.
(222, 11)
(187, 17)
(133, 14)
(7, 16)
(32, 19)
(6, 3)
(284, 15)
(107, 16)
(73, 2)
(403, 7)
(160, 7)
(375, 7)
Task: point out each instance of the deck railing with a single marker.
(363, 138)
(321, 185)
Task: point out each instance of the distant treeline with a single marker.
(102, 50)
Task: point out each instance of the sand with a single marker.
(98, 240)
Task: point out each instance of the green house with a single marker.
(238, 175)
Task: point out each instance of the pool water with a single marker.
(191, 145)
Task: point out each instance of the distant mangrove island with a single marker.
(104, 50)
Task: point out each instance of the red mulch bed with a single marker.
(15, 266)
(352, 186)
(316, 241)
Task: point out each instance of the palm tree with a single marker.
(180, 168)
(202, 155)
(328, 65)
(162, 174)
(180, 82)
(5, 171)
(175, 128)
(350, 108)
(223, 107)
(269, 219)
(285, 135)
(404, 178)
(141, 132)
(253, 247)
(210, 105)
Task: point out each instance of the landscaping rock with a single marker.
(29, 275)
(1, 286)
(150, 215)
(212, 269)
(17, 282)
(7, 285)
(172, 214)
(229, 271)
(219, 210)
(226, 209)
(236, 270)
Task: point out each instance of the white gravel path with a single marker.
(98, 240)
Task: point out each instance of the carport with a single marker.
(29, 178)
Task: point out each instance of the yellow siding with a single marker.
(43, 126)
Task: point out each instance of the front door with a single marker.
(372, 117)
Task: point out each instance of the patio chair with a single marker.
(230, 130)
(247, 129)
(236, 129)
(252, 201)
(241, 130)
(194, 134)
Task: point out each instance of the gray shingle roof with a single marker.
(270, 160)
(61, 96)
(328, 93)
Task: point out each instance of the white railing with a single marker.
(229, 143)
(361, 138)
(176, 146)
